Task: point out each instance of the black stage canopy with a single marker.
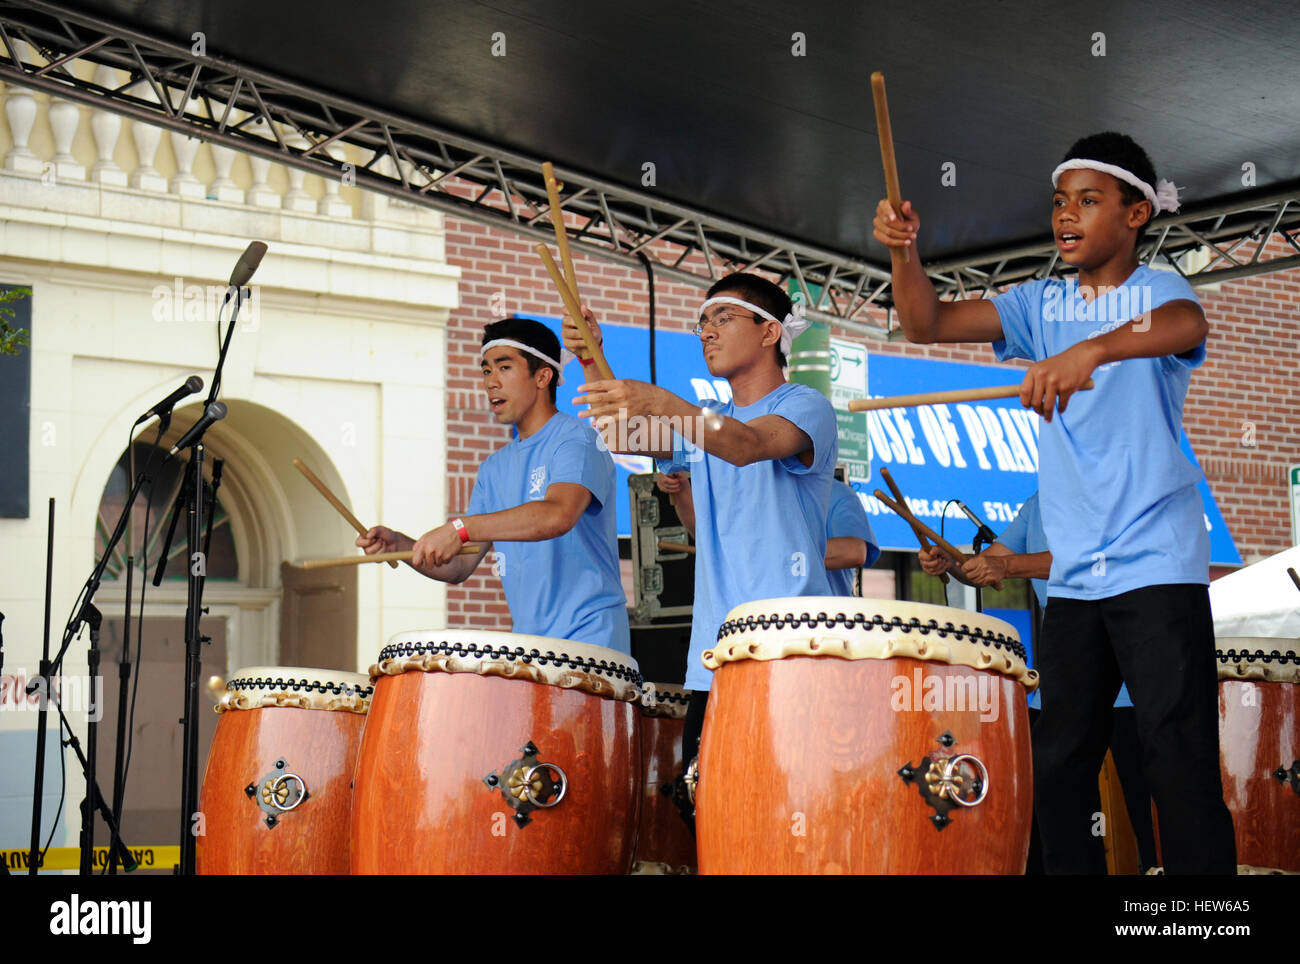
(759, 112)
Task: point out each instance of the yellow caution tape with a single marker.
(69, 858)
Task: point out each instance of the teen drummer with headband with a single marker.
(545, 501)
(761, 465)
(1127, 596)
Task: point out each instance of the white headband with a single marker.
(1163, 197)
(566, 356)
(792, 326)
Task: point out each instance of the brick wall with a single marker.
(1239, 413)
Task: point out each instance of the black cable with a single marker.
(650, 287)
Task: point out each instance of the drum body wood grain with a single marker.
(443, 749)
(814, 764)
(281, 739)
(664, 842)
(1259, 749)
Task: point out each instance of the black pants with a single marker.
(694, 727)
(1126, 750)
(1160, 641)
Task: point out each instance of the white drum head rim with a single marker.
(849, 627)
(305, 687)
(539, 659)
(1264, 658)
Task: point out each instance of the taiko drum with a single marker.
(492, 753)
(1259, 748)
(276, 795)
(858, 736)
(664, 843)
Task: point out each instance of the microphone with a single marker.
(985, 533)
(163, 409)
(213, 413)
(247, 264)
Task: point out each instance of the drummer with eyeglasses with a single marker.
(761, 464)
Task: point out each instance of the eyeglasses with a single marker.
(724, 317)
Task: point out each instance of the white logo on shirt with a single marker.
(535, 482)
(798, 564)
(499, 564)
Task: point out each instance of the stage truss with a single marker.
(227, 103)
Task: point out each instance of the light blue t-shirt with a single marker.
(1119, 499)
(760, 530)
(1025, 536)
(848, 518)
(568, 587)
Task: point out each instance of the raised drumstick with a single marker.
(920, 536)
(392, 558)
(333, 500)
(943, 398)
(575, 312)
(886, 134)
(561, 235)
(919, 526)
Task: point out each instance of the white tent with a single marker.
(1260, 600)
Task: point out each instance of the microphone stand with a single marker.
(192, 500)
(38, 782)
(978, 545)
(87, 613)
(124, 664)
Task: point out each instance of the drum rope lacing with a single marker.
(444, 648)
(1258, 656)
(987, 638)
(364, 690)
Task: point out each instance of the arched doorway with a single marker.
(260, 609)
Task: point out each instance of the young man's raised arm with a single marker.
(924, 318)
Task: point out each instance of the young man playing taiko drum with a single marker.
(1127, 595)
(761, 465)
(545, 501)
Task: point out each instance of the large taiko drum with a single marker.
(1259, 748)
(493, 753)
(276, 795)
(864, 736)
(664, 843)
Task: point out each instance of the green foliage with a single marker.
(12, 339)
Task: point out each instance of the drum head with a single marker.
(1264, 658)
(852, 628)
(665, 700)
(537, 659)
(314, 689)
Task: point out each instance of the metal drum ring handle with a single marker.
(528, 785)
(950, 771)
(278, 782)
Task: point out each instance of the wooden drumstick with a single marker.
(920, 536)
(561, 235)
(575, 312)
(943, 398)
(393, 558)
(886, 134)
(667, 546)
(919, 526)
(333, 500)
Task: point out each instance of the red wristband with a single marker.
(587, 361)
(461, 531)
